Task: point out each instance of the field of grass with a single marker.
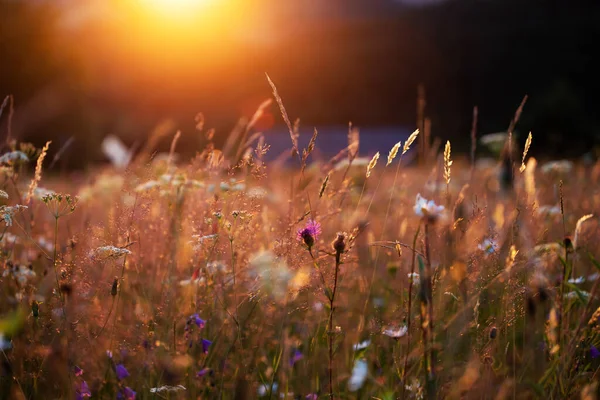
(352, 278)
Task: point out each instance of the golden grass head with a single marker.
(372, 164)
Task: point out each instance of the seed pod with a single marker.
(115, 286)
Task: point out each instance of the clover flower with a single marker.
(309, 234)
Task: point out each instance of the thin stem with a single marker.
(330, 328)
(408, 312)
(429, 293)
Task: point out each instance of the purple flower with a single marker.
(77, 371)
(121, 371)
(83, 391)
(126, 394)
(205, 345)
(594, 352)
(202, 372)
(195, 318)
(311, 396)
(109, 353)
(310, 233)
(296, 356)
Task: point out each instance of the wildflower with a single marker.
(562, 167)
(13, 156)
(205, 345)
(525, 150)
(594, 352)
(295, 357)
(3, 194)
(118, 154)
(264, 389)
(494, 141)
(414, 278)
(427, 209)
(416, 389)
(359, 375)
(311, 396)
(447, 163)
(8, 212)
(577, 281)
(109, 354)
(77, 371)
(203, 372)
(274, 275)
(362, 345)
(126, 393)
(310, 233)
(194, 318)
(105, 252)
(167, 389)
(83, 391)
(489, 246)
(4, 343)
(396, 332)
(121, 372)
(550, 211)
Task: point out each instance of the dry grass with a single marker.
(464, 303)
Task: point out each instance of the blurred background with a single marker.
(84, 69)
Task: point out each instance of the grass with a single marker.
(191, 281)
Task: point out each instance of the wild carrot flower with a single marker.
(121, 372)
(427, 209)
(309, 234)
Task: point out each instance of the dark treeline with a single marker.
(364, 68)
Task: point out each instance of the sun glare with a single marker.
(181, 7)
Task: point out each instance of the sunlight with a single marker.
(179, 7)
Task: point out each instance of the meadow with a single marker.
(350, 278)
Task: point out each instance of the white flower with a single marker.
(21, 273)
(578, 280)
(3, 194)
(550, 211)
(395, 333)
(264, 389)
(414, 278)
(9, 212)
(415, 389)
(105, 252)
(359, 375)
(146, 186)
(557, 167)
(167, 389)
(13, 156)
(362, 345)
(489, 246)
(427, 209)
(274, 275)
